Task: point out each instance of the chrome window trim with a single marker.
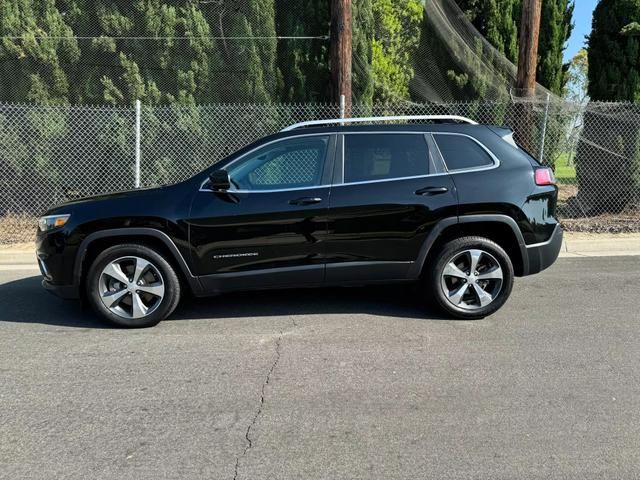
(496, 161)
(324, 134)
(442, 162)
(324, 185)
(394, 179)
(434, 154)
(342, 160)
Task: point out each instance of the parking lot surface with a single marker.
(334, 384)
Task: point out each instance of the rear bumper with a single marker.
(543, 255)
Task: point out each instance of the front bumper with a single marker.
(56, 259)
(543, 255)
(62, 291)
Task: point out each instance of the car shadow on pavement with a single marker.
(25, 301)
(390, 301)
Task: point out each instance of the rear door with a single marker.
(389, 190)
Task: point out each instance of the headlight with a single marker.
(51, 222)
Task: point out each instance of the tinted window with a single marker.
(382, 156)
(461, 152)
(291, 163)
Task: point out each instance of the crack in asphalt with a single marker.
(247, 435)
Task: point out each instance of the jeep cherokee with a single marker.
(456, 207)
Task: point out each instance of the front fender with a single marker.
(133, 234)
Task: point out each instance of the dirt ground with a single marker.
(15, 231)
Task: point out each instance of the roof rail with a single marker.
(342, 121)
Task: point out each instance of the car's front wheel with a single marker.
(132, 286)
(472, 278)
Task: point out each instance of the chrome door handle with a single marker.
(305, 201)
(428, 191)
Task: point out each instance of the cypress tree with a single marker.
(303, 64)
(497, 21)
(608, 159)
(156, 69)
(614, 51)
(555, 29)
(32, 66)
(178, 61)
(363, 35)
(501, 19)
(35, 47)
(252, 75)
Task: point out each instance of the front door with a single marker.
(269, 230)
(390, 190)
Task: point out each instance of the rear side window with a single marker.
(460, 152)
(384, 156)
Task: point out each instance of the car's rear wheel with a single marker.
(132, 286)
(472, 278)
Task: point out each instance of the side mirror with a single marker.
(219, 181)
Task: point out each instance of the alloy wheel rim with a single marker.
(131, 287)
(472, 279)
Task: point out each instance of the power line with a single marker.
(45, 37)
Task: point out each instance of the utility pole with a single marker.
(527, 65)
(528, 53)
(340, 52)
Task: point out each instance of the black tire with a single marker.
(456, 247)
(161, 308)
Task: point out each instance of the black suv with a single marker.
(456, 206)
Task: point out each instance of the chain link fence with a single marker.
(51, 154)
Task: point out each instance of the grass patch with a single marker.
(565, 172)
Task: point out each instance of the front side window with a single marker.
(287, 164)
(371, 157)
(460, 152)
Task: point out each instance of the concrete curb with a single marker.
(600, 245)
(575, 245)
(14, 257)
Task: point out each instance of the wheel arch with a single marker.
(159, 241)
(501, 229)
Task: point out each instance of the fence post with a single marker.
(544, 129)
(343, 102)
(138, 112)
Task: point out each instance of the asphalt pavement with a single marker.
(329, 384)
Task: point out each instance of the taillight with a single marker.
(544, 176)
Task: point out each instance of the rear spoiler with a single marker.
(506, 134)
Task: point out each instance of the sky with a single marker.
(582, 26)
